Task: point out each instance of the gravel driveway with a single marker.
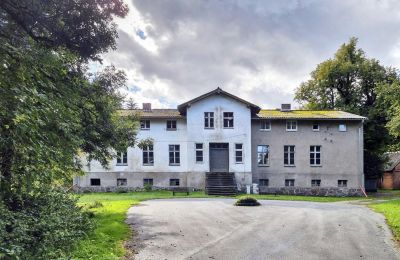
(215, 229)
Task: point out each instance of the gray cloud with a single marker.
(260, 50)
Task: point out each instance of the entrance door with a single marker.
(219, 157)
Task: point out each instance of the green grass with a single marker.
(106, 242)
(391, 211)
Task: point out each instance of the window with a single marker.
(289, 182)
(263, 182)
(315, 183)
(145, 124)
(315, 126)
(315, 155)
(228, 119)
(288, 155)
(263, 155)
(291, 125)
(265, 125)
(174, 154)
(147, 182)
(199, 152)
(122, 158)
(173, 182)
(171, 125)
(208, 119)
(148, 155)
(342, 183)
(122, 182)
(342, 128)
(239, 153)
(95, 182)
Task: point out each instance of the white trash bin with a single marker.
(255, 188)
(248, 189)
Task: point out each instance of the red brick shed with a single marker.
(391, 176)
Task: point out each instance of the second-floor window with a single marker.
(122, 158)
(145, 124)
(262, 155)
(239, 153)
(199, 152)
(291, 125)
(265, 125)
(208, 119)
(171, 125)
(342, 128)
(288, 155)
(148, 155)
(315, 126)
(174, 154)
(315, 155)
(228, 119)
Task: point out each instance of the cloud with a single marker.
(173, 51)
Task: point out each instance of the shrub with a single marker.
(43, 224)
(95, 204)
(121, 190)
(247, 201)
(148, 187)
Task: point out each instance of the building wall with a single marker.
(340, 154)
(391, 179)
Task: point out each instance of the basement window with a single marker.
(289, 182)
(94, 182)
(263, 182)
(315, 183)
(147, 181)
(122, 182)
(173, 182)
(342, 183)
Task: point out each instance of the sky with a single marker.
(261, 51)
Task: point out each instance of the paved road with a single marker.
(215, 229)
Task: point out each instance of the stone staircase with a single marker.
(221, 183)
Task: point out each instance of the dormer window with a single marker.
(171, 125)
(228, 119)
(145, 124)
(291, 125)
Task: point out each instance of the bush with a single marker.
(95, 204)
(148, 187)
(41, 225)
(247, 201)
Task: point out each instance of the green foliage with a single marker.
(391, 211)
(148, 187)
(351, 82)
(247, 201)
(43, 225)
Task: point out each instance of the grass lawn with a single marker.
(106, 242)
(391, 210)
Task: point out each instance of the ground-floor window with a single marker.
(289, 182)
(95, 182)
(122, 182)
(315, 155)
(174, 154)
(263, 182)
(315, 183)
(239, 153)
(173, 182)
(148, 155)
(147, 181)
(262, 155)
(342, 183)
(288, 155)
(199, 152)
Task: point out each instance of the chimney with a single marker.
(147, 107)
(286, 107)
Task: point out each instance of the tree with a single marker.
(350, 81)
(131, 104)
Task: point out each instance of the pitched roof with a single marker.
(393, 160)
(218, 91)
(307, 114)
(154, 113)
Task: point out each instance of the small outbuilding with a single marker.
(391, 176)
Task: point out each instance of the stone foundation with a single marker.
(118, 189)
(331, 191)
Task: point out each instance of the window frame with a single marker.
(144, 125)
(315, 155)
(342, 129)
(91, 182)
(148, 181)
(174, 181)
(262, 123)
(176, 152)
(287, 153)
(263, 154)
(209, 120)
(228, 119)
(122, 158)
(316, 183)
(342, 183)
(200, 150)
(124, 182)
(241, 156)
(150, 155)
(317, 124)
(291, 129)
(261, 182)
(289, 182)
(170, 123)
